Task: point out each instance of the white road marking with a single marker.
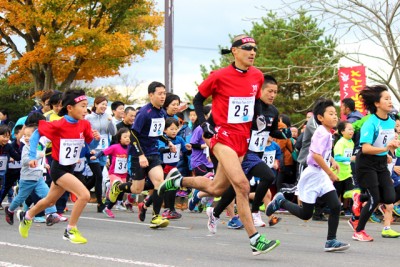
(145, 224)
(70, 253)
(10, 264)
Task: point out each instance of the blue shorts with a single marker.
(250, 161)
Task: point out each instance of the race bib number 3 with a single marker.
(157, 127)
(70, 150)
(241, 109)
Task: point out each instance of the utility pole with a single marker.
(168, 46)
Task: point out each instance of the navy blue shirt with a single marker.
(148, 127)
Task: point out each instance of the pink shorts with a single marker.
(239, 143)
(114, 178)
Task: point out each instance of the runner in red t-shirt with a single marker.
(234, 90)
(68, 135)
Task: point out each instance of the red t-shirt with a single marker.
(233, 97)
(62, 129)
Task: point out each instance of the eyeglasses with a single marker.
(248, 48)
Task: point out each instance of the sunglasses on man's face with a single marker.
(248, 48)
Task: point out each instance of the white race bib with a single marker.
(40, 164)
(3, 163)
(80, 165)
(384, 136)
(103, 143)
(258, 141)
(348, 153)
(15, 165)
(157, 127)
(269, 158)
(70, 151)
(241, 109)
(327, 158)
(172, 157)
(120, 165)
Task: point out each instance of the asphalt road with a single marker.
(124, 241)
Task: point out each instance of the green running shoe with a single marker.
(169, 183)
(390, 233)
(264, 245)
(114, 192)
(24, 224)
(74, 236)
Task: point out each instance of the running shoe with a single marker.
(100, 207)
(114, 192)
(120, 207)
(169, 183)
(72, 197)
(319, 217)
(390, 233)
(362, 236)
(194, 199)
(264, 245)
(1, 207)
(142, 212)
(335, 245)
(257, 220)
(212, 220)
(357, 205)
(62, 217)
(171, 215)
(129, 206)
(9, 216)
(24, 224)
(274, 220)
(396, 210)
(374, 218)
(52, 219)
(182, 193)
(158, 222)
(39, 219)
(353, 223)
(275, 203)
(108, 213)
(74, 236)
(235, 223)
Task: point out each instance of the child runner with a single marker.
(376, 139)
(316, 180)
(343, 155)
(118, 170)
(32, 180)
(68, 136)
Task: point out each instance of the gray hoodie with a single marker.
(28, 173)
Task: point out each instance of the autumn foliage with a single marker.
(53, 42)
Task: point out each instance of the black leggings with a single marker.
(377, 194)
(96, 180)
(8, 182)
(305, 212)
(266, 176)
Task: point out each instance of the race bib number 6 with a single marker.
(70, 150)
(241, 109)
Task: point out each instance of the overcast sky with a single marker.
(200, 26)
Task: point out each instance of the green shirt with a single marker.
(343, 151)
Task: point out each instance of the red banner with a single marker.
(352, 80)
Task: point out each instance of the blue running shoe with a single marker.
(194, 200)
(335, 245)
(275, 204)
(374, 218)
(396, 210)
(235, 223)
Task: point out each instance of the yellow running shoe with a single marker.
(158, 222)
(74, 236)
(24, 224)
(114, 192)
(390, 233)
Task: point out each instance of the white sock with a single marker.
(254, 238)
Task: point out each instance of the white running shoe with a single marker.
(212, 220)
(120, 207)
(258, 222)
